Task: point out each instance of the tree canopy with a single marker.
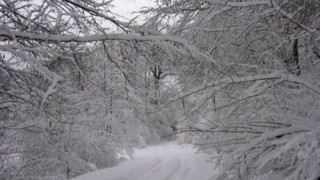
(238, 78)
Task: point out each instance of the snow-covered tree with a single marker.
(259, 86)
(241, 77)
(70, 88)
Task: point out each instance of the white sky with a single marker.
(126, 7)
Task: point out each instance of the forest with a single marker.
(240, 79)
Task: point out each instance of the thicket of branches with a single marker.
(240, 77)
(258, 107)
(74, 94)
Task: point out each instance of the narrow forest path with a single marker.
(169, 161)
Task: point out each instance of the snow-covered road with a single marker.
(169, 161)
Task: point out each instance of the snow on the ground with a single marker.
(169, 161)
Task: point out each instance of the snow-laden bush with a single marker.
(294, 156)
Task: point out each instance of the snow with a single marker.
(165, 161)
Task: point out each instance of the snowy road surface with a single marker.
(168, 161)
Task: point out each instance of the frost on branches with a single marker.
(239, 78)
(73, 91)
(252, 99)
